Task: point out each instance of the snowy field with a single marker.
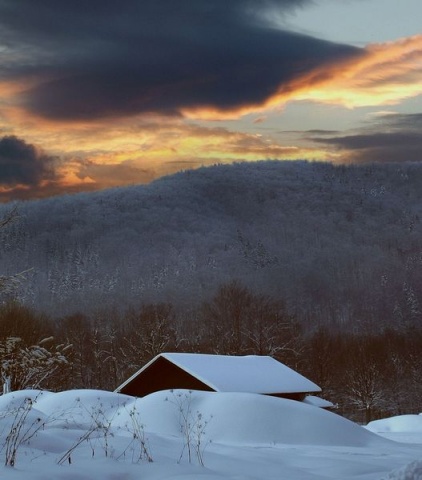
(90, 434)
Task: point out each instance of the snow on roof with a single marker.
(318, 402)
(252, 373)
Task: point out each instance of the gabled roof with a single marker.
(224, 373)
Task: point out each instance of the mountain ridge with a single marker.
(338, 244)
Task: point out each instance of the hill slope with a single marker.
(338, 244)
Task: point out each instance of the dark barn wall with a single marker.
(162, 375)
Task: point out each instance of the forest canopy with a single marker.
(338, 245)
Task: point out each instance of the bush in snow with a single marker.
(192, 426)
(23, 427)
(24, 366)
(412, 471)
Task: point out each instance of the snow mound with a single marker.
(80, 408)
(248, 419)
(13, 400)
(412, 471)
(21, 407)
(89, 434)
(400, 423)
(228, 418)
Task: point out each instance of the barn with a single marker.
(218, 373)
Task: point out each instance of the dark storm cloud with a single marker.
(410, 122)
(395, 137)
(22, 164)
(108, 58)
(319, 132)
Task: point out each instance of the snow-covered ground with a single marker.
(90, 434)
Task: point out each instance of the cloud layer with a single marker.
(395, 138)
(385, 74)
(22, 164)
(122, 92)
(96, 59)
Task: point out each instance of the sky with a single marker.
(103, 93)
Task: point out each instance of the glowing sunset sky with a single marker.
(95, 94)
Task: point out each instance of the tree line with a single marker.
(366, 375)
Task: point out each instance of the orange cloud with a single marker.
(97, 155)
(385, 74)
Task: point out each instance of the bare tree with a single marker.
(147, 333)
(364, 372)
(242, 322)
(227, 316)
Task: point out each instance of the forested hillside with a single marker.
(339, 245)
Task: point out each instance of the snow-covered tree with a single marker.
(9, 283)
(30, 366)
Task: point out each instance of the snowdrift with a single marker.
(398, 424)
(89, 434)
(229, 418)
(251, 419)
